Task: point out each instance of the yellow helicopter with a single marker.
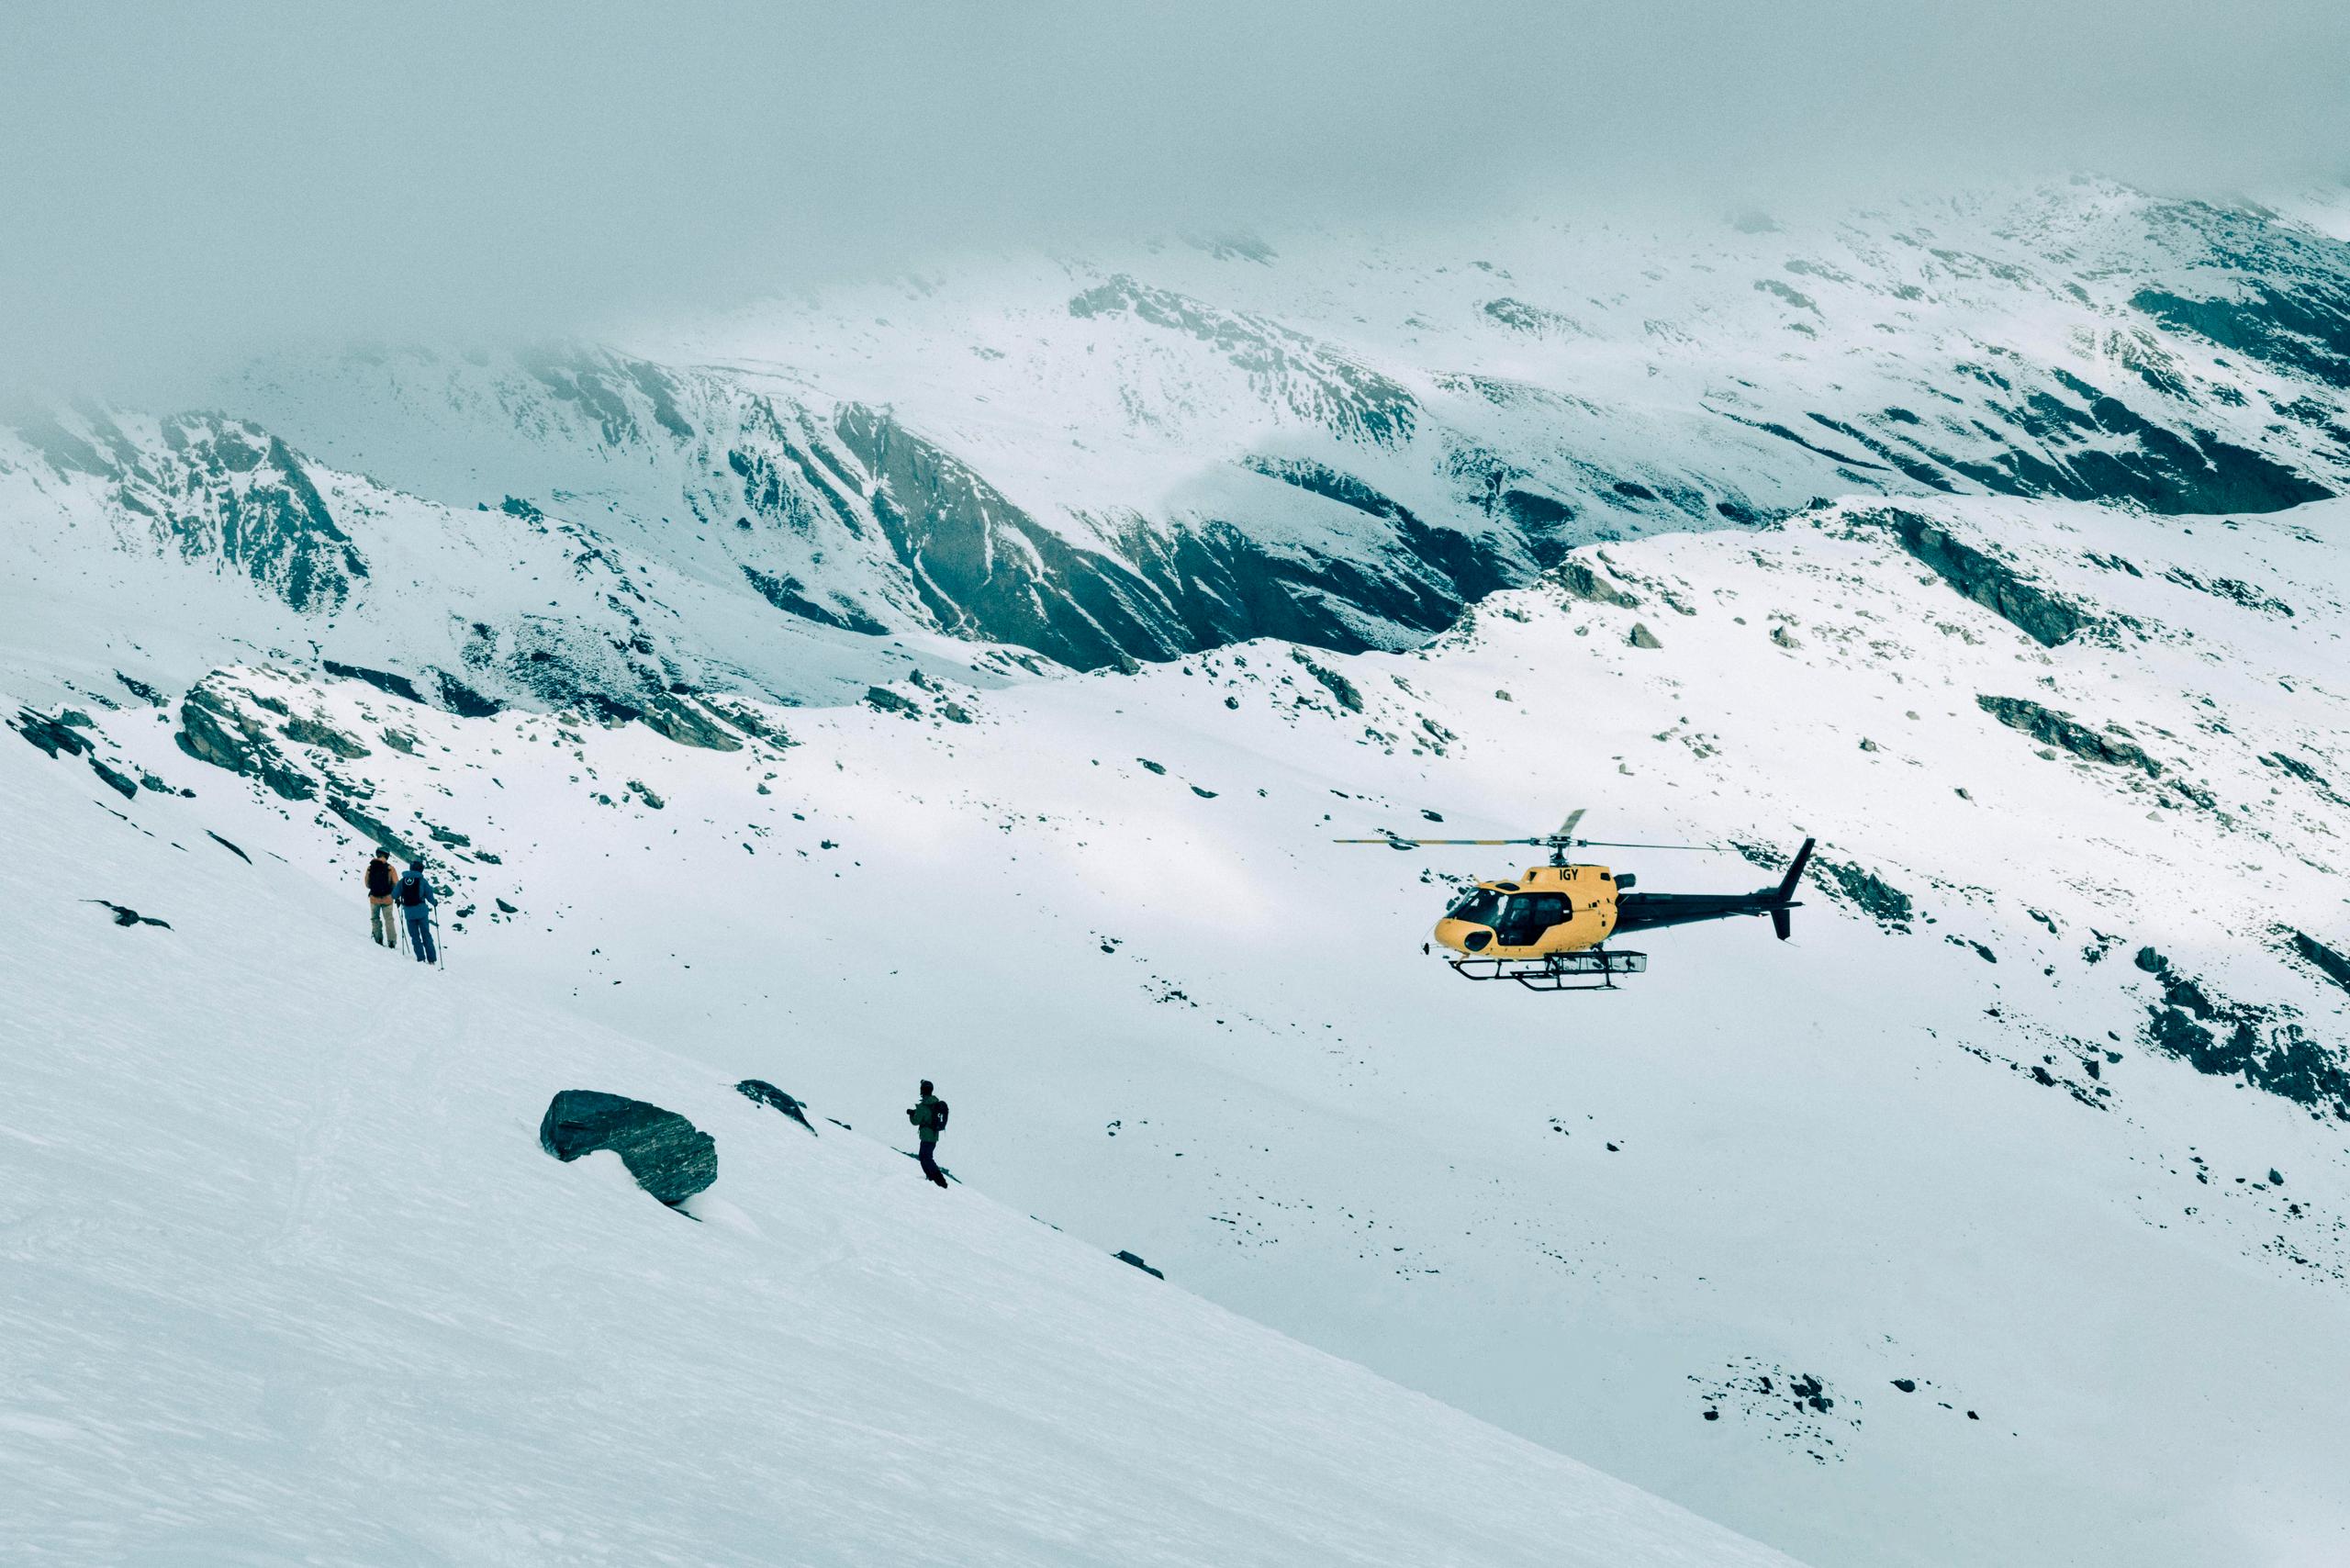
(1547, 929)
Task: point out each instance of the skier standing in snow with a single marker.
(415, 895)
(929, 1118)
(380, 922)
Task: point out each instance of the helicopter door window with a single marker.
(1527, 916)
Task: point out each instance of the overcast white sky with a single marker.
(182, 183)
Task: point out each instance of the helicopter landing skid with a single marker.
(1590, 969)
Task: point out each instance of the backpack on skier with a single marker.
(410, 891)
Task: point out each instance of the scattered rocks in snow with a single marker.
(125, 915)
(1798, 1409)
(1130, 1257)
(669, 1156)
(882, 700)
(765, 1094)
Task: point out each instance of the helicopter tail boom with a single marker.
(1641, 912)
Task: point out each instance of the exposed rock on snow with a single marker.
(2265, 1046)
(1997, 586)
(52, 735)
(669, 1156)
(2064, 731)
(215, 729)
(765, 1093)
(125, 915)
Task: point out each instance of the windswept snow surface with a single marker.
(2000, 1216)
(288, 1281)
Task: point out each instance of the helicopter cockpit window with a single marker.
(1478, 909)
(1527, 916)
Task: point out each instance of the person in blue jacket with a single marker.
(414, 895)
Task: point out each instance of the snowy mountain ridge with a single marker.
(1342, 444)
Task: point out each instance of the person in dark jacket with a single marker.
(929, 1118)
(416, 900)
(382, 923)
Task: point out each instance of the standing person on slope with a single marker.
(416, 900)
(382, 923)
(929, 1118)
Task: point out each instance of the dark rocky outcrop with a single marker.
(2228, 1039)
(1577, 580)
(325, 736)
(52, 735)
(382, 680)
(2335, 966)
(215, 490)
(1337, 684)
(215, 729)
(680, 720)
(1865, 890)
(669, 1156)
(1130, 1259)
(2047, 618)
(120, 783)
(2068, 733)
(765, 1093)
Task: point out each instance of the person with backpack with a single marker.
(416, 900)
(382, 923)
(929, 1118)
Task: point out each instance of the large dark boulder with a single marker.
(669, 1156)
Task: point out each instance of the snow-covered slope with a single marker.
(2002, 1216)
(289, 1280)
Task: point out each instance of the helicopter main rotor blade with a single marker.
(1567, 828)
(1397, 839)
(1612, 844)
